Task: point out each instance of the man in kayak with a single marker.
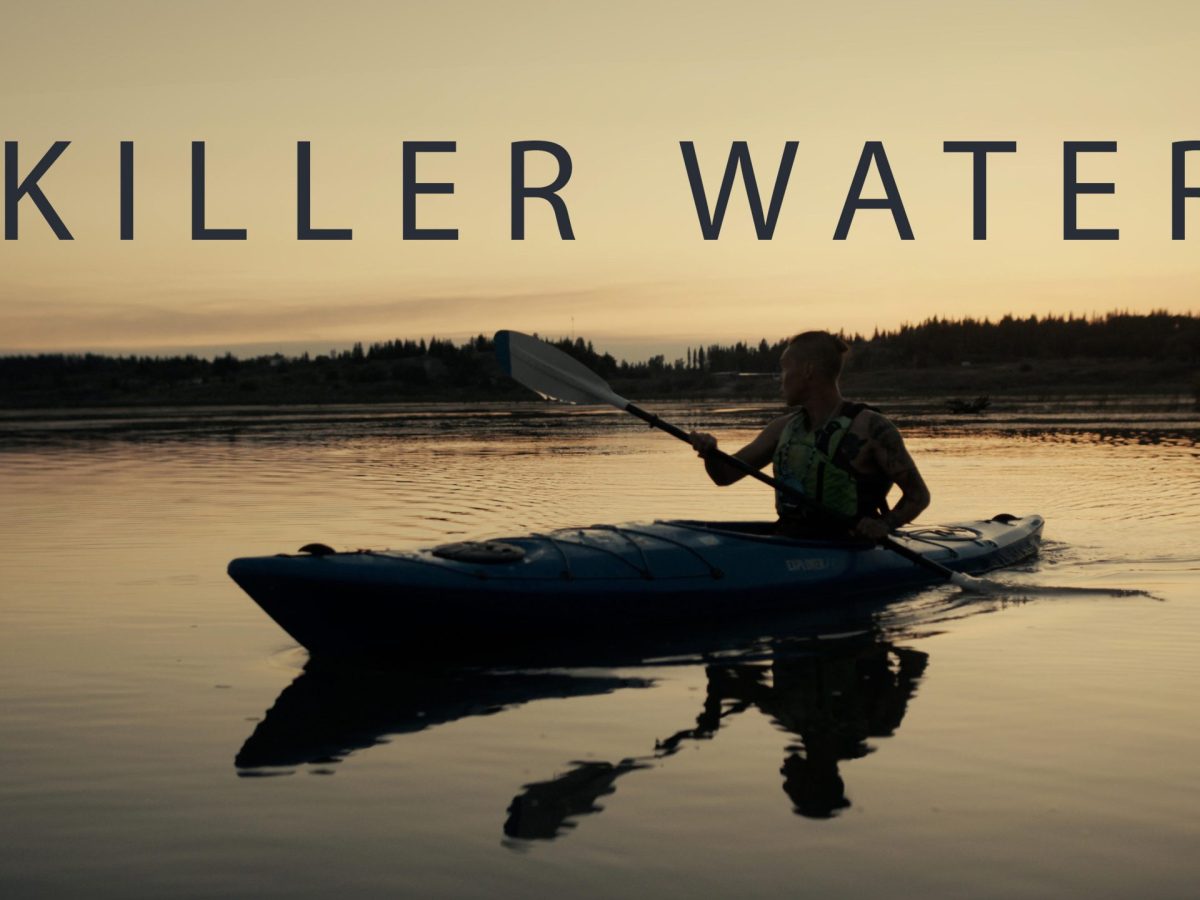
(844, 457)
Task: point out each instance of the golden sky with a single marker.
(619, 85)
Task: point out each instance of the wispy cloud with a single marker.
(57, 324)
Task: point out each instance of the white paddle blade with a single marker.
(548, 371)
(973, 584)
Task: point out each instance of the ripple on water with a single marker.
(933, 738)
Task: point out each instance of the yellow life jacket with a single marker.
(818, 463)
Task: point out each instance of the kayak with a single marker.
(597, 580)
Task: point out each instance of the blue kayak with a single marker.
(596, 580)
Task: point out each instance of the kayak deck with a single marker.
(597, 579)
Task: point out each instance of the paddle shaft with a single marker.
(747, 469)
(744, 467)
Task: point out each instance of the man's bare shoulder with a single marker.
(773, 431)
(871, 425)
(786, 416)
(877, 426)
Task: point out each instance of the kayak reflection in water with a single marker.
(330, 711)
(832, 700)
(843, 456)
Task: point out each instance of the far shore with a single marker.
(961, 363)
(1038, 381)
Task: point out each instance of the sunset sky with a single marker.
(619, 85)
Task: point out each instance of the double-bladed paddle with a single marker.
(555, 375)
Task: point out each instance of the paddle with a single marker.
(553, 374)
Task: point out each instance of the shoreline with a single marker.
(1014, 383)
(1004, 409)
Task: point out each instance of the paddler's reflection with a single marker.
(834, 705)
(833, 702)
(832, 698)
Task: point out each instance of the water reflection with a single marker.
(330, 711)
(1137, 421)
(833, 702)
(119, 621)
(831, 695)
(545, 810)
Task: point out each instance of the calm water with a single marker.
(160, 734)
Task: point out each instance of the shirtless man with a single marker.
(843, 456)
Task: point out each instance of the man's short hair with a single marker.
(822, 348)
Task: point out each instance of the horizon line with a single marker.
(622, 346)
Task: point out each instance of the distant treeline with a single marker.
(939, 342)
(405, 368)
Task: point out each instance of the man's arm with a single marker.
(888, 452)
(757, 453)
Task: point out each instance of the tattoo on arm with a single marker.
(890, 452)
(892, 456)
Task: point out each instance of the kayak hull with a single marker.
(584, 583)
